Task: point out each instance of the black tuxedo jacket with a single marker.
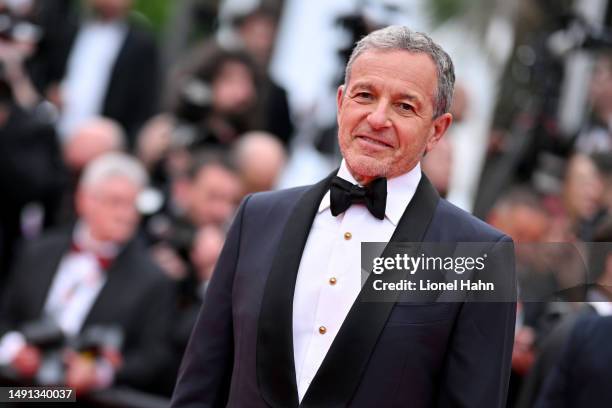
(385, 354)
(136, 296)
(31, 170)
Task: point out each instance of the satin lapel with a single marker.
(347, 358)
(275, 361)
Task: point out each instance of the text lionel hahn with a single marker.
(427, 285)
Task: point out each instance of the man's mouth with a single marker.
(373, 141)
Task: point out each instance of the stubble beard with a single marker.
(366, 168)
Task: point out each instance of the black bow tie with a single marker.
(344, 193)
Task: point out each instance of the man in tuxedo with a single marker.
(285, 322)
(91, 289)
(111, 70)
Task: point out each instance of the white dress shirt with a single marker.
(89, 70)
(329, 275)
(75, 288)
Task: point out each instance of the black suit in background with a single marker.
(31, 170)
(136, 296)
(386, 354)
(132, 94)
(550, 350)
(583, 376)
(133, 90)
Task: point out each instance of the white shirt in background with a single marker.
(89, 71)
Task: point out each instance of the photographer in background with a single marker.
(215, 95)
(205, 250)
(206, 195)
(94, 277)
(256, 32)
(211, 101)
(31, 169)
(187, 236)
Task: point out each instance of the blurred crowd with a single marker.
(120, 180)
(122, 169)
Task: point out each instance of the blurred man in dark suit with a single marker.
(31, 170)
(94, 288)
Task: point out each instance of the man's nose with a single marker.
(379, 117)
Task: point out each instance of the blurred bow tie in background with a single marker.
(104, 261)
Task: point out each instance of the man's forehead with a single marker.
(367, 85)
(385, 54)
(401, 65)
(213, 170)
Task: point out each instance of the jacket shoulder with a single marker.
(465, 226)
(275, 199)
(48, 240)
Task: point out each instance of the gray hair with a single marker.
(111, 165)
(402, 38)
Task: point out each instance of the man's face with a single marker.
(385, 113)
(583, 188)
(109, 209)
(214, 195)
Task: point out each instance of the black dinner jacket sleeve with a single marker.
(205, 373)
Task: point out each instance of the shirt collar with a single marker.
(82, 237)
(400, 191)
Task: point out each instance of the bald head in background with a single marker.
(260, 159)
(92, 139)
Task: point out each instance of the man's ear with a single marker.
(339, 98)
(439, 128)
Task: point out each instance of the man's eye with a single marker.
(364, 95)
(405, 107)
